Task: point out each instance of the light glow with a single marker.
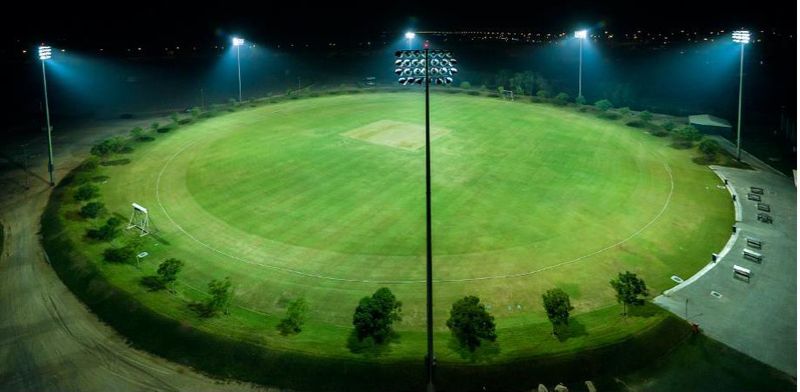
(581, 34)
(741, 36)
(238, 41)
(45, 53)
(410, 35)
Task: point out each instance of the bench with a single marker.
(764, 217)
(753, 197)
(753, 242)
(757, 190)
(763, 207)
(752, 256)
(741, 273)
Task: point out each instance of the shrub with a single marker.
(465, 85)
(543, 94)
(86, 192)
(174, 118)
(107, 232)
(168, 271)
(636, 124)
(90, 164)
(562, 99)
(125, 254)
(687, 133)
(154, 126)
(108, 147)
(669, 125)
(626, 111)
(646, 116)
(659, 132)
(92, 209)
(709, 147)
(603, 104)
(580, 100)
(295, 317)
(609, 115)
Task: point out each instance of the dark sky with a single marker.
(166, 22)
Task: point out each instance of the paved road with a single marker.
(49, 341)
(759, 317)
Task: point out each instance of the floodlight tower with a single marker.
(410, 37)
(423, 67)
(580, 35)
(238, 42)
(45, 53)
(741, 37)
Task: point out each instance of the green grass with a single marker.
(276, 198)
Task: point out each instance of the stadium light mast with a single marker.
(45, 53)
(238, 42)
(580, 35)
(410, 37)
(741, 37)
(423, 67)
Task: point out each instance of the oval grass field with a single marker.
(324, 199)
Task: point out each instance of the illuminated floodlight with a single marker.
(410, 35)
(410, 67)
(741, 36)
(45, 53)
(581, 34)
(238, 41)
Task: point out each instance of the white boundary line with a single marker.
(728, 245)
(333, 278)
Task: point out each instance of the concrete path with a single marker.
(49, 341)
(759, 317)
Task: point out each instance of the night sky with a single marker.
(144, 23)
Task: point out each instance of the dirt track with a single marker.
(49, 341)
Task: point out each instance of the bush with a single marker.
(109, 146)
(106, 232)
(543, 94)
(174, 117)
(659, 132)
(580, 100)
(465, 85)
(603, 105)
(669, 125)
(167, 128)
(125, 254)
(687, 133)
(562, 99)
(168, 271)
(626, 111)
(86, 192)
(709, 147)
(646, 116)
(90, 164)
(92, 209)
(636, 124)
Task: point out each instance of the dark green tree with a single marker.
(92, 209)
(221, 294)
(168, 272)
(106, 232)
(646, 116)
(295, 317)
(470, 323)
(630, 290)
(375, 315)
(125, 254)
(562, 98)
(580, 100)
(543, 94)
(557, 305)
(709, 148)
(86, 192)
(465, 85)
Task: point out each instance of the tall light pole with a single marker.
(410, 37)
(423, 67)
(238, 42)
(580, 35)
(741, 37)
(45, 53)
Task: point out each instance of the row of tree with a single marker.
(471, 323)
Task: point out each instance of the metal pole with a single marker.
(739, 125)
(580, 67)
(429, 262)
(239, 69)
(50, 165)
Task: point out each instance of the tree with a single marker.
(709, 147)
(470, 323)
(562, 98)
(86, 192)
(125, 254)
(500, 90)
(92, 209)
(221, 295)
(465, 85)
(687, 133)
(154, 126)
(603, 105)
(375, 315)
(295, 317)
(107, 232)
(557, 306)
(646, 116)
(168, 271)
(630, 290)
(580, 100)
